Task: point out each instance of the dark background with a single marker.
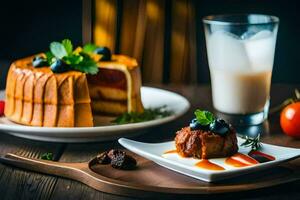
(29, 26)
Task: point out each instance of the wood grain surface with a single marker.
(21, 184)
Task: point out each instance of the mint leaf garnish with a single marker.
(68, 46)
(47, 156)
(89, 48)
(50, 57)
(87, 66)
(74, 59)
(204, 117)
(58, 50)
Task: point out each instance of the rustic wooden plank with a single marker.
(19, 184)
(105, 28)
(129, 18)
(183, 67)
(140, 32)
(153, 40)
(87, 14)
(69, 189)
(25, 147)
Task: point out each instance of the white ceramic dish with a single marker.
(151, 98)
(155, 152)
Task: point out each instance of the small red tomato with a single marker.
(2, 104)
(290, 120)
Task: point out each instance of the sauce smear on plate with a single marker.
(240, 160)
(260, 156)
(206, 164)
(171, 151)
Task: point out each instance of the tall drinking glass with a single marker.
(240, 51)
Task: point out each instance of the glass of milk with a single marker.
(240, 50)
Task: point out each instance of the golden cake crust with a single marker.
(39, 97)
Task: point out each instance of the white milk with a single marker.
(241, 71)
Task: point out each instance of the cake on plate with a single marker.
(57, 90)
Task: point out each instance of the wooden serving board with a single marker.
(152, 180)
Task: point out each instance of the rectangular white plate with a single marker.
(155, 152)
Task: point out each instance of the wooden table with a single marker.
(19, 184)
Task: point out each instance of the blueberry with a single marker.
(194, 121)
(105, 52)
(195, 125)
(219, 126)
(39, 61)
(59, 66)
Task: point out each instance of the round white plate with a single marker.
(151, 98)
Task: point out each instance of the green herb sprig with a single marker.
(254, 143)
(204, 117)
(47, 156)
(147, 115)
(89, 48)
(80, 61)
(286, 102)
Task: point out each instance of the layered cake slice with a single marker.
(116, 87)
(64, 88)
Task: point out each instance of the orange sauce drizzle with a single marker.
(205, 164)
(240, 160)
(171, 151)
